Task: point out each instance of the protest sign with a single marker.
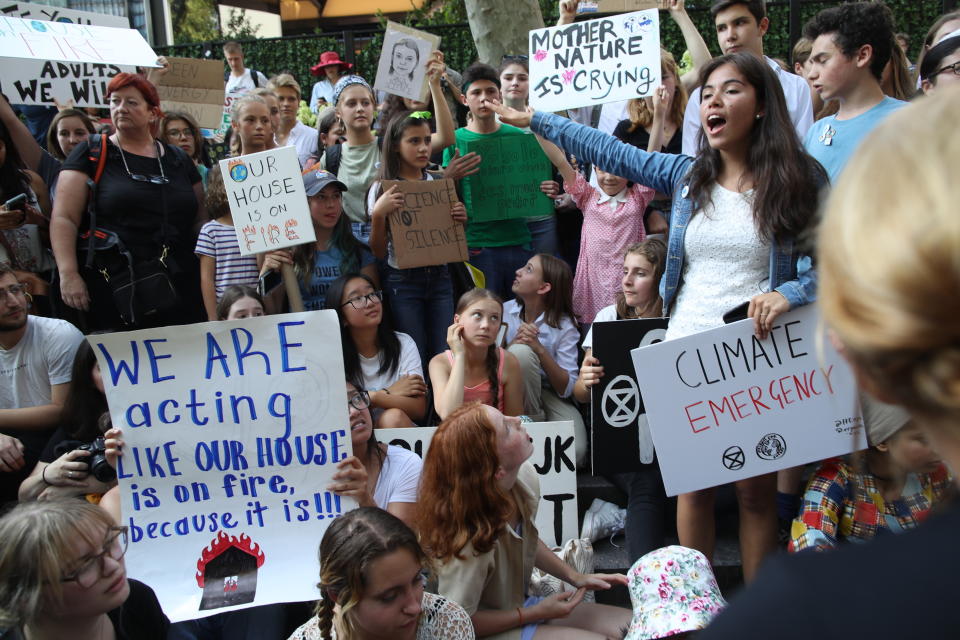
(508, 183)
(232, 431)
(619, 428)
(45, 82)
(195, 87)
(615, 6)
(267, 200)
(553, 458)
(402, 69)
(595, 61)
(423, 233)
(724, 406)
(69, 42)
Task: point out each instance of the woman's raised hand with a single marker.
(455, 338)
(435, 67)
(510, 115)
(764, 309)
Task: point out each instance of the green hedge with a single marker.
(298, 53)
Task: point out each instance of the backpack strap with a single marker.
(331, 158)
(97, 143)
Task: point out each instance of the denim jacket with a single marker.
(791, 274)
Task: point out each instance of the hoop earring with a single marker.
(26, 294)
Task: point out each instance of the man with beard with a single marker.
(36, 359)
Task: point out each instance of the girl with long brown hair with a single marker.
(478, 503)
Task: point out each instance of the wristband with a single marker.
(43, 476)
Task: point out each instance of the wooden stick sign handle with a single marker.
(292, 287)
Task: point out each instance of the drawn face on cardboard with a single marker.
(405, 59)
(71, 132)
(481, 322)
(245, 307)
(415, 146)
(326, 207)
(637, 283)
(107, 576)
(356, 294)
(178, 133)
(130, 111)
(391, 603)
(255, 129)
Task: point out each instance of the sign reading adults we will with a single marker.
(232, 430)
(76, 73)
(595, 61)
(422, 232)
(553, 460)
(508, 183)
(723, 405)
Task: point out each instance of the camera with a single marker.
(96, 462)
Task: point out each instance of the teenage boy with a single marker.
(239, 80)
(291, 131)
(851, 46)
(498, 248)
(741, 25)
(36, 364)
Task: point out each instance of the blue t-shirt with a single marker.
(832, 142)
(326, 269)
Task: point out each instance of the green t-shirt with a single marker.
(501, 233)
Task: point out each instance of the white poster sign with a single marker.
(68, 42)
(402, 69)
(723, 405)
(232, 431)
(267, 200)
(595, 61)
(553, 458)
(30, 11)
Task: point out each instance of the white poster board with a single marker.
(45, 82)
(554, 460)
(595, 61)
(232, 431)
(402, 69)
(723, 405)
(68, 42)
(267, 200)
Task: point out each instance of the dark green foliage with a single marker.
(298, 53)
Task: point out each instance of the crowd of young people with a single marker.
(690, 208)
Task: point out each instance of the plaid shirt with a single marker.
(841, 504)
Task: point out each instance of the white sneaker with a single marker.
(602, 519)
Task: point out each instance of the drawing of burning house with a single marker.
(227, 571)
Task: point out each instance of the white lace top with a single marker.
(441, 619)
(725, 263)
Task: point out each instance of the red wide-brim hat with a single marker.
(328, 59)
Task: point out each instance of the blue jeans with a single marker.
(544, 235)
(646, 509)
(499, 266)
(421, 305)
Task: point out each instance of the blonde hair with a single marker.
(39, 545)
(642, 116)
(284, 80)
(889, 281)
(236, 146)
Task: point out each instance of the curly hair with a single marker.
(460, 502)
(853, 25)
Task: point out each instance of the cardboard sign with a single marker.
(724, 406)
(553, 458)
(267, 200)
(595, 61)
(402, 69)
(508, 183)
(232, 431)
(45, 82)
(615, 6)
(619, 428)
(423, 233)
(195, 87)
(68, 42)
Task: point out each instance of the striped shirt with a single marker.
(219, 241)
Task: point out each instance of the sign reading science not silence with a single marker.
(422, 232)
(595, 61)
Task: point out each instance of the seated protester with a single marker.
(475, 368)
(893, 486)
(62, 576)
(240, 302)
(24, 224)
(940, 66)
(36, 357)
(372, 577)
(218, 249)
(336, 250)
(542, 333)
(377, 474)
(64, 469)
(476, 517)
(384, 362)
(292, 132)
(180, 129)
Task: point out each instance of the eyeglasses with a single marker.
(15, 290)
(955, 68)
(139, 177)
(90, 569)
(359, 400)
(180, 133)
(361, 302)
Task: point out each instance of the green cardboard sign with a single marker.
(508, 183)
